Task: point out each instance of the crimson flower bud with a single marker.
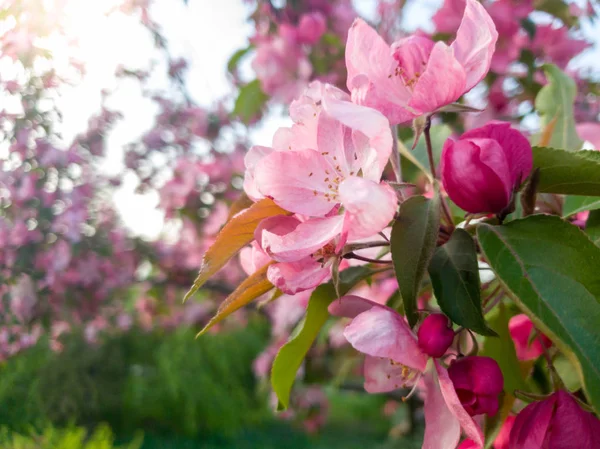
(435, 335)
(520, 328)
(478, 381)
(557, 422)
(482, 169)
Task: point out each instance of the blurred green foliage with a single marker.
(181, 392)
(71, 438)
(138, 380)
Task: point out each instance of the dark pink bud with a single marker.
(528, 346)
(555, 423)
(481, 170)
(478, 381)
(311, 28)
(435, 335)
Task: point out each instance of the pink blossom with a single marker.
(527, 344)
(353, 145)
(481, 170)
(555, 423)
(23, 298)
(311, 27)
(282, 68)
(403, 82)
(554, 44)
(394, 359)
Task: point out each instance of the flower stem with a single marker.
(395, 156)
(427, 133)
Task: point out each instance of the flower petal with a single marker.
(371, 66)
(433, 91)
(383, 332)
(381, 375)
(467, 423)
(304, 240)
(515, 146)
(295, 277)
(254, 155)
(296, 181)
(475, 43)
(532, 424)
(442, 428)
(369, 206)
(370, 122)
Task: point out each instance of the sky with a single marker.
(207, 32)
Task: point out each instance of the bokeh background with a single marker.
(123, 125)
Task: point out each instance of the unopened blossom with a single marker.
(435, 335)
(478, 382)
(557, 422)
(394, 359)
(483, 168)
(415, 75)
(529, 343)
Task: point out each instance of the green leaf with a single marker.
(291, 355)
(558, 8)
(237, 57)
(502, 349)
(454, 274)
(413, 240)
(576, 204)
(550, 267)
(592, 227)
(555, 102)
(250, 101)
(569, 173)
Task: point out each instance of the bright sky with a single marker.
(205, 31)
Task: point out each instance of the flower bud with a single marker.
(478, 381)
(435, 335)
(520, 328)
(555, 423)
(311, 28)
(482, 169)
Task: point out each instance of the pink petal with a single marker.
(412, 54)
(516, 147)
(590, 132)
(383, 332)
(475, 43)
(296, 181)
(304, 240)
(442, 428)
(381, 375)
(433, 91)
(254, 155)
(467, 423)
(370, 122)
(350, 306)
(295, 277)
(369, 206)
(370, 63)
